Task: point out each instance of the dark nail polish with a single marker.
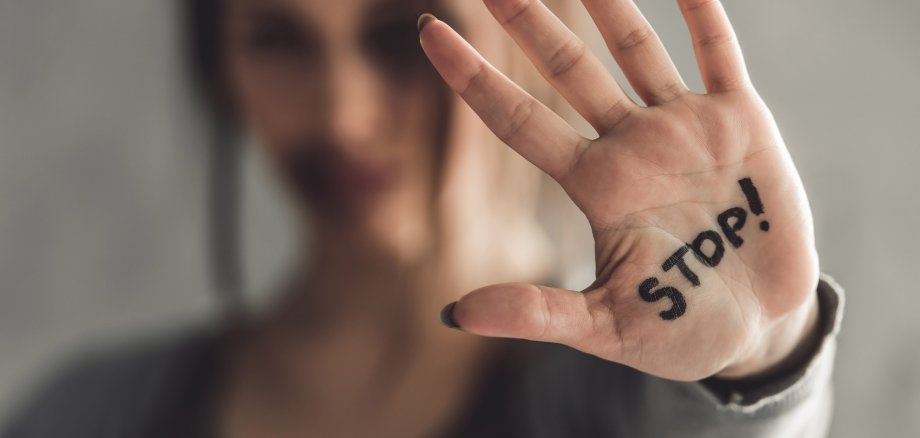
(447, 316)
(424, 19)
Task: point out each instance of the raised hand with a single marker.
(704, 242)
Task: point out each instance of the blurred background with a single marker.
(102, 180)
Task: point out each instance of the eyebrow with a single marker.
(388, 8)
(274, 12)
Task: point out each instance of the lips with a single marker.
(361, 181)
(322, 176)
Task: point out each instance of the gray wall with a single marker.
(101, 174)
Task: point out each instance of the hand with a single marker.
(704, 242)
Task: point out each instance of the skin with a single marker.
(307, 86)
(355, 335)
(653, 178)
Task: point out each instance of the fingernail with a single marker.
(424, 19)
(447, 316)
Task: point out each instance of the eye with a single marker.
(393, 46)
(273, 39)
(275, 34)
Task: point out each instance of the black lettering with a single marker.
(730, 221)
(731, 230)
(716, 257)
(677, 259)
(679, 306)
(747, 186)
(753, 198)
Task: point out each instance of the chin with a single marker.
(403, 231)
(396, 224)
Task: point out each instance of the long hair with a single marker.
(202, 24)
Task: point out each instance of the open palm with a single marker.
(703, 235)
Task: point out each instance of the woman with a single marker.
(707, 316)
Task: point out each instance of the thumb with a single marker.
(539, 313)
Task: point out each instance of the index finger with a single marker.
(517, 118)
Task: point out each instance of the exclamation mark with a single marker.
(747, 186)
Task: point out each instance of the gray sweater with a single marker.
(166, 388)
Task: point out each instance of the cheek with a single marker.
(416, 122)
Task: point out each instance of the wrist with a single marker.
(784, 346)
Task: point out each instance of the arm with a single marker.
(704, 242)
(795, 403)
(568, 393)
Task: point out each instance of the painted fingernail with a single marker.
(424, 19)
(447, 316)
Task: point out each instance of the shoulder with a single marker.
(111, 391)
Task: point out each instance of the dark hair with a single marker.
(202, 21)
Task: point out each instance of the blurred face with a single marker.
(342, 99)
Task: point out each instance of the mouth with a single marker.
(333, 181)
(361, 181)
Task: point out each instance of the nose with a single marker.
(354, 102)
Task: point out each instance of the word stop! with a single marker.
(730, 222)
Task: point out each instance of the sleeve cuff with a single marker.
(793, 387)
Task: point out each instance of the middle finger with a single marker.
(637, 50)
(564, 60)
